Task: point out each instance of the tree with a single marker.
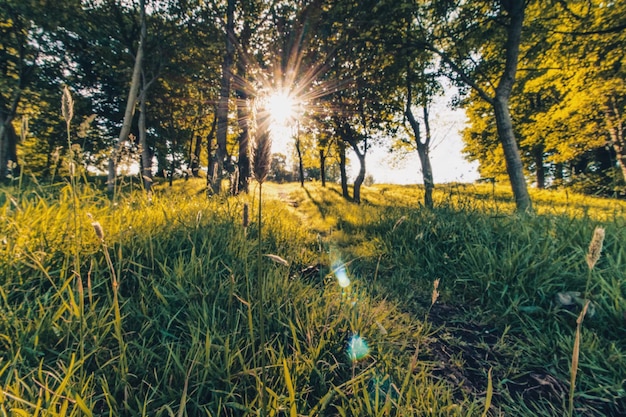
(222, 107)
(363, 107)
(584, 74)
(469, 40)
(131, 101)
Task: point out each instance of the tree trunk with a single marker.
(194, 155)
(500, 103)
(8, 139)
(540, 174)
(514, 166)
(211, 164)
(615, 127)
(146, 153)
(323, 167)
(243, 161)
(423, 147)
(130, 103)
(341, 145)
(300, 166)
(427, 175)
(358, 181)
(243, 111)
(4, 145)
(222, 107)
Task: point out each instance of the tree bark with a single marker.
(500, 103)
(540, 174)
(243, 161)
(299, 151)
(4, 145)
(514, 166)
(194, 163)
(323, 167)
(423, 147)
(131, 101)
(211, 164)
(358, 181)
(506, 134)
(146, 153)
(243, 111)
(8, 138)
(222, 107)
(341, 145)
(615, 127)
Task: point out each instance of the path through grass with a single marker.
(187, 338)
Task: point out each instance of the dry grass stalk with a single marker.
(595, 247)
(435, 295)
(277, 259)
(398, 223)
(261, 157)
(246, 216)
(234, 182)
(575, 356)
(67, 105)
(97, 227)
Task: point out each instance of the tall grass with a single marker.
(191, 343)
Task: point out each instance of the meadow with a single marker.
(177, 306)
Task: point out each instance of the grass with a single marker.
(186, 341)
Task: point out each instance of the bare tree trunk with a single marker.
(323, 167)
(222, 107)
(300, 166)
(146, 153)
(341, 145)
(8, 138)
(615, 127)
(540, 175)
(514, 166)
(427, 170)
(243, 111)
(4, 145)
(130, 103)
(243, 161)
(211, 164)
(194, 163)
(500, 103)
(358, 181)
(423, 147)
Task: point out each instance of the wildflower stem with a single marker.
(261, 290)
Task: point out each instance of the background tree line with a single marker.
(179, 82)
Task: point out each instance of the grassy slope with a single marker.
(188, 339)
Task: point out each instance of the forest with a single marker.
(179, 235)
(181, 88)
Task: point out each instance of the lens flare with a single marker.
(342, 276)
(357, 348)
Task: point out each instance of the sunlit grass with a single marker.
(183, 261)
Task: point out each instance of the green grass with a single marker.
(187, 339)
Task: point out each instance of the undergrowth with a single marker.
(186, 340)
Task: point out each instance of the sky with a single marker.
(447, 160)
(446, 156)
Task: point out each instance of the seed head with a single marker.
(246, 215)
(277, 259)
(435, 294)
(67, 105)
(595, 247)
(97, 227)
(261, 157)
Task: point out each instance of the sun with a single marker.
(281, 108)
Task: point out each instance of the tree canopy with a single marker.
(542, 84)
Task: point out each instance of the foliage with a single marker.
(568, 105)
